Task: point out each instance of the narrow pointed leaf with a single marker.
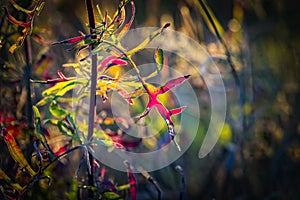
(19, 8)
(45, 100)
(172, 83)
(111, 61)
(16, 152)
(37, 124)
(111, 196)
(177, 110)
(59, 89)
(128, 24)
(136, 93)
(147, 40)
(213, 17)
(64, 129)
(73, 40)
(16, 186)
(99, 13)
(57, 111)
(39, 8)
(15, 21)
(97, 49)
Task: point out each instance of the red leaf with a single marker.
(111, 61)
(132, 181)
(61, 150)
(163, 111)
(127, 26)
(15, 21)
(172, 83)
(177, 110)
(73, 40)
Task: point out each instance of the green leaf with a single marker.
(51, 121)
(72, 194)
(19, 8)
(213, 17)
(147, 40)
(40, 8)
(71, 121)
(36, 112)
(57, 111)
(159, 59)
(37, 124)
(111, 196)
(66, 99)
(3, 176)
(64, 129)
(59, 89)
(99, 13)
(45, 100)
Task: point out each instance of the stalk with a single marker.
(237, 83)
(92, 106)
(28, 59)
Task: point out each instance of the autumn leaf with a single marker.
(153, 92)
(128, 24)
(73, 40)
(147, 40)
(28, 25)
(16, 152)
(111, 61)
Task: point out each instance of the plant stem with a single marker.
(237, 83)
(28, 58)
(92, 107)
(228, 55)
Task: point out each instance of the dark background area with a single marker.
(260, 159)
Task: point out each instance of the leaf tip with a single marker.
(187, 76)
(166, 25)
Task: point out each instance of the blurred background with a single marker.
(258, 153)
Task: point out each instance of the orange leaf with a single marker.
(16, 152)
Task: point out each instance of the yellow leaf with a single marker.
(12, 48)
(206, 18)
